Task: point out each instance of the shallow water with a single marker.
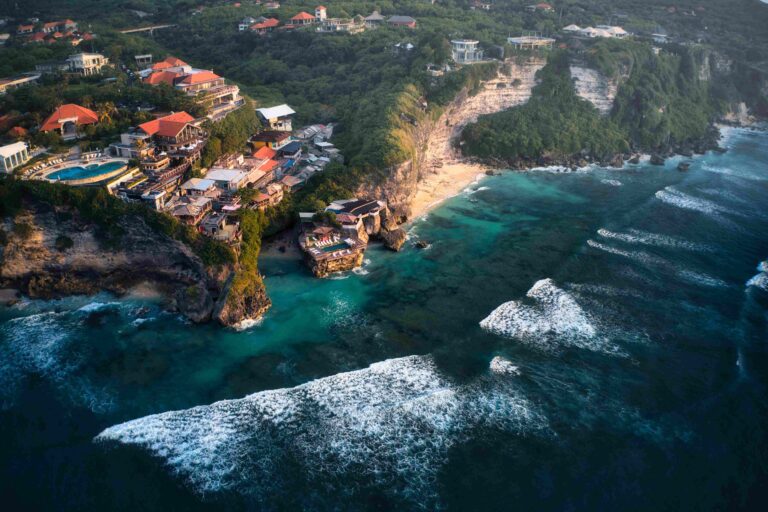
(589, 340)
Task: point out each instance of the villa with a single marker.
(466, 51)
(8, 84)
(531, 42)
(219, 226)
(268, 25)
(401, 21)
(375, 19)
(272, 139)
(12, 156)
(86, 64)
(67, 119)
(208, 89)
(540, 7)
(301, 19)
(278, 118)
(349, 25)
(192, 210)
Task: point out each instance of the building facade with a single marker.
(12, 156)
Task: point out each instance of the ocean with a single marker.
(589, 340)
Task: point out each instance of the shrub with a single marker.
(23, 230)
(63, 243)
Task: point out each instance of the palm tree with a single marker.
(106, 110)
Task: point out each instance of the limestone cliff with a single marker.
(59, 254)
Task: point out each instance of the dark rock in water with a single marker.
(688, 153)
(490, 172)
(421, 244)
(393, 238)
(582, 162)
(700, 150)
(720, 149)
(635, 159)
(657, 160)
(617, 161)
(281, 248)
(683, 166)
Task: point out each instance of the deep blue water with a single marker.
(568, 341)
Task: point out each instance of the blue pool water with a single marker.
(594, 340)
(89, 171)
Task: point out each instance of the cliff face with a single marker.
(436, 133)
(326, 267)
(40, 265)
(233, 309)
(595, 87)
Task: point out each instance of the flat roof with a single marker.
(276, 111)
(228, 175)
(198, 184)
(12, 149)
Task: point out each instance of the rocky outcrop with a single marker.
(323, 268)
(40, 265)
(234, 308)
(393, 239)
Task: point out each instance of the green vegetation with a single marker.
(229, 135)
(555, 122)
(108, 214)
(247, 281)
(22, 230)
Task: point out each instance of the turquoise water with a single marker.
(89, 171)
(586, 341)
(336, 247)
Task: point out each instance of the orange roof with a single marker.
(39, 36)
(51, 24)
(200, 78)
(168, 126)
(162, 77)
(269, 23)
(168, 62)
(265, 153)
(69, 111)
(303, 16)
(320, 7)
(268, 165)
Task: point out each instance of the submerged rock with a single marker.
(657, 160)
(421, 244)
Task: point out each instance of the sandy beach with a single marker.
(445, 173)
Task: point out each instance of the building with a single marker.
(375, 19)
(270, 138)
(200, 187)
(540, 7)
(12, 156)
(263, 27)
(614, 31)
(350, 25)
(208, 89)
(173, 132)
(572, 28)
(303, 18)
(67, 119)
(466, 51)
(143, 61)
(245, 23)
(8, 84)
(277, 118)
(228, 179)
(86, 64)
(192, 210)
(291, 183)
(221, 227)
(401, 21)
(531, 42)
(320, 13)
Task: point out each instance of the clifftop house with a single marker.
(277, 118)
(67, 119)
(208, 89)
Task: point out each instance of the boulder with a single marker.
(393, 239)
(657, 160)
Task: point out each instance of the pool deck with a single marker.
(42, 174)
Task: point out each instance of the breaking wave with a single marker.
(674, 197)
(613, 183)
(636, 236)
(759, 281)
(639, 256)
(702, 279)
(393, 423)
(549, 317)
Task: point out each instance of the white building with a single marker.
(12, 156)
(320, 13)
(277, 118)
(86, 64)
(466, 51)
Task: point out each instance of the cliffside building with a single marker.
(466, 51)
(12, 156)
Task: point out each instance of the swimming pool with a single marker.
(336, 247)
(79, 172)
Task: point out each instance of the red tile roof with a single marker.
(68, 111)
(168, 126)
(200, 78)
(303, 16)
(168, 62)
(162, 77)
(265, 153)
(269, 23)
(39, 36)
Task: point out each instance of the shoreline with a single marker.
(450, 180)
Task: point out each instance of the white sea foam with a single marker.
(248, 323)
(393, 422)
(613, 183)
(759, 281)
(674, 197)
(97, 306)
(763, 266)
(636, 236)
(549, 318)
(39, 345)
(702, 279)
(735, 173)
(503, 366)
(639, 256)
